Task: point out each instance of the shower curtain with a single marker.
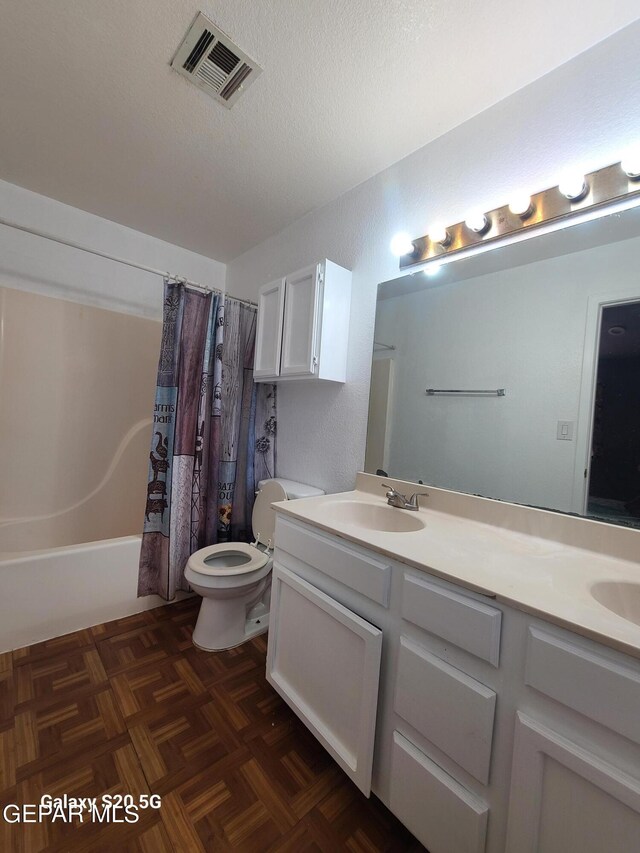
(213, 435)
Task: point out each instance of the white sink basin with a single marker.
(621, 597)
(370, 516)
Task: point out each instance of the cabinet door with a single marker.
(301, 318)
(564, 799)
(324, 660)
(269, 330)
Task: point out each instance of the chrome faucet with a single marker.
(396, 498)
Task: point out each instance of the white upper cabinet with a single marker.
(301, 321)
(303, 325)
(269, 330)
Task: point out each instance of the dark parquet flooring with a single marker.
(132, 707)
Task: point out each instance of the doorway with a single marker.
(614, 469)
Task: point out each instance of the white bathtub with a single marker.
(45, 594)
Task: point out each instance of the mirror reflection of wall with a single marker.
(532, 329)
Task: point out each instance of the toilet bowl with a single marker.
(234, 578)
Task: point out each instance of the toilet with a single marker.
(234, 578)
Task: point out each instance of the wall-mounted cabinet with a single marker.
(303, 325)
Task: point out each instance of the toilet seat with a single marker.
(256, 559)
(263, 523)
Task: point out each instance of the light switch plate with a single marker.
(565, 431)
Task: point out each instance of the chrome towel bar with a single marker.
(499, 392)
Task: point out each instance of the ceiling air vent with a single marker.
(212, 61)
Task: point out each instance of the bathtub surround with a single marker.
(76, 389)
(213, 435)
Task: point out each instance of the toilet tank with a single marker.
(295, 490)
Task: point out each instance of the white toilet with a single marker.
(234, 578)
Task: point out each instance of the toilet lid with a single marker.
(263, 519)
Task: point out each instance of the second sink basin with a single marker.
(371, 516)
(621, 597)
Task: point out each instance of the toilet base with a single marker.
(253, 628)
(224, 623)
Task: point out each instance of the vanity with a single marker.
(474, 664)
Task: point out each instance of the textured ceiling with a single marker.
(92, 115)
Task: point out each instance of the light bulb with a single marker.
(439, 234)
(433, 269)
(401, 244)
(477, 222)
(573, 186)
(630, 164)
(521, 206)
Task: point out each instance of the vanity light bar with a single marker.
(613, 186)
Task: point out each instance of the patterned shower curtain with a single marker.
(213, 436)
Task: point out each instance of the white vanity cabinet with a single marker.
(495, 731)
(303, 325)
(335, 605)
(575, 782)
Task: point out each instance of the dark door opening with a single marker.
(614, 482)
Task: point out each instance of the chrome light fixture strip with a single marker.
(606, 186)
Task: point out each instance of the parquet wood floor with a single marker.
(132, 707)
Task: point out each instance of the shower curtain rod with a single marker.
(181, 279)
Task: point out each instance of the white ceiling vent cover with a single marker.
(212, 61)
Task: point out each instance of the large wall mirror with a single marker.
(532, 351)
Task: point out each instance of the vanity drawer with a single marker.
(469, 624)
(441, 814)
(351, 566)
(449, 708)
(601, 686)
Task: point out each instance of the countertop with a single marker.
(533, 573)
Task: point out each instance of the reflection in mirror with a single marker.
(555, 322)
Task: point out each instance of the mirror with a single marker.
(553, 321)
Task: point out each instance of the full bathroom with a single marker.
(319, 427)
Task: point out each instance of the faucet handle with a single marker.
(392, 492)
(413, 500)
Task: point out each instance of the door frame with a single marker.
(584, 426)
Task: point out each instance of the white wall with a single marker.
(31, 263)
(521, 329)
(582, 113)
